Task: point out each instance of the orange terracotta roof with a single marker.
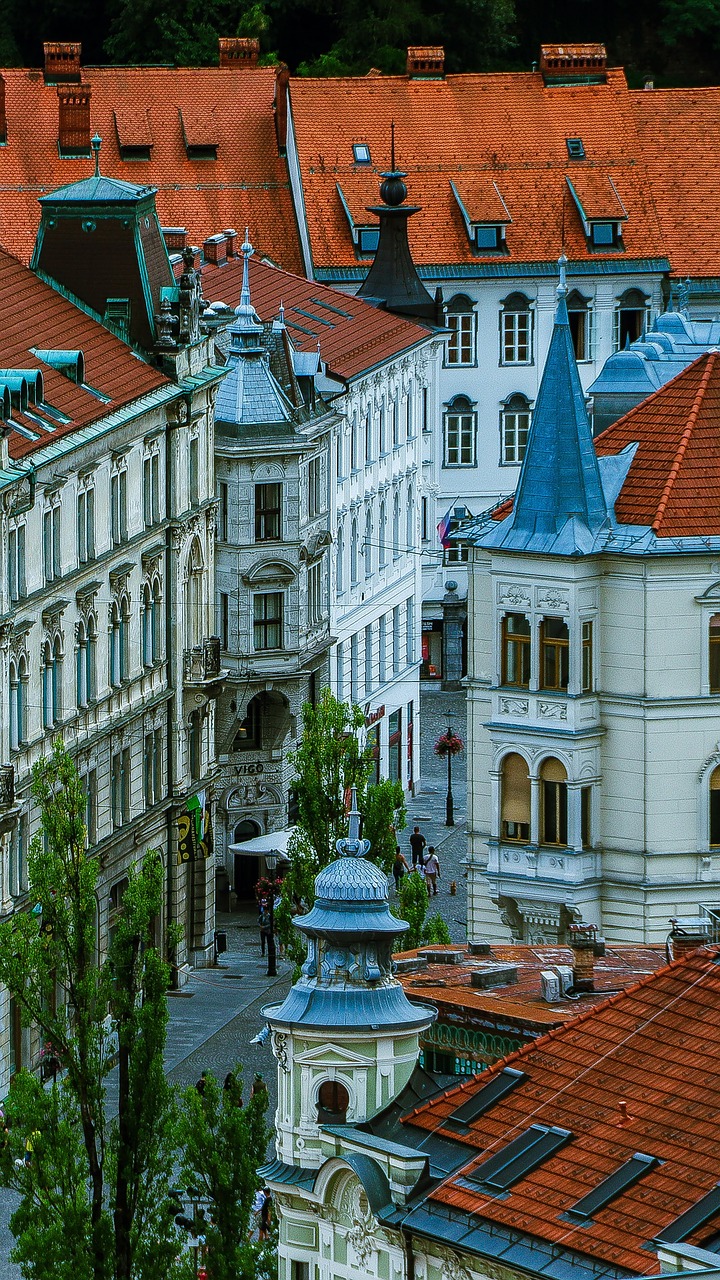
(159, 107)
(596, 194)
(679, 132)
(673, 483)
(449, 986)
(655, 1046)
(353, 336)
(481, 197)
(34, 315)
(506, 128)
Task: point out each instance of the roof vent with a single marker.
(573, 63)
(494, 975)
(426, 62)
(62, 62)
(70, 363)
(74, 120)
(239, 51)
(549, 986)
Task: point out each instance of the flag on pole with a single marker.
(444, 528)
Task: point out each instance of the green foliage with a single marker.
(327, 763)
(384, 815)
(93, 1200)
(412, 905)
(298, 895)
(224, 1144)
(436, 930)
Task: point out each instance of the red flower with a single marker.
(448, 744)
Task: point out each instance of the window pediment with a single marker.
(270, 572)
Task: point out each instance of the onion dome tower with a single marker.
(346, 1037)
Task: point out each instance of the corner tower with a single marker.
(346, 1037)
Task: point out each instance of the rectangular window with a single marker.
(516, 333)
(410, 630)
(118, 506)
(382, 433)
(586, 817)
(554, 654)
(50, 553)
(396, 640)
(382, 647)
(339, 452)
(17, 588)
(194, 465)
(224, 620)
(515, 430)
(604, 234)
(394, 424)
(268, 620)
(425, 410)
(456, 552)
(409, 416)
(515, 662)
(120, 787)
(369, 442)
(316, 488)
(91, 805)
(354, 673)
(353, 444)
(461, 343)
(587, 657)
(151, 489)
(580, 332)
(368, 660)
(81, 527)
(424, 523)
(314, 590)
(268, 508)
(223, 510)
(714, 653)
(554, 812)
(340, 661)
(459, 439)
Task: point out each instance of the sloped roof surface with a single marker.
(656, 1047)
(673, 484)
(507, 127)
(229, 107)
(34, 315)
(679, 132)
(353, 335)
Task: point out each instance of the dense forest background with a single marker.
(673, 42)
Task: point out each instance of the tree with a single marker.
(224, 1143)
(412, 906)
(328, 762)
(384, 815)
(94, 1193)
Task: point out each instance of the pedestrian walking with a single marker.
(264, 925)
(232, 1089)
(400, 866)
(258, 1086)
(200, 1084)
(265, 1214)
(417, 845)
(431, 869)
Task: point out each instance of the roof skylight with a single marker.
(576, 150)
(613, 1186)
(361, 153)
(519, 1157)
(701, 1212)
(486, 1097)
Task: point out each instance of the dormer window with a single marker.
(361, 153)
(601, 210)
(489, 239)
(365, 234)
(368, 238)
(575, 148)
(484, 213)
(604, 234)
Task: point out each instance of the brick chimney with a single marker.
(175, 238)
(582, 940)
(62, 62)
(683, 941)
(280, 105)
(573, 63)
(239, 51)
(215, 249)
(230, 235)
(3, 115)
(74, 120)
(425, 62)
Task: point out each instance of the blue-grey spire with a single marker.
(559, 503)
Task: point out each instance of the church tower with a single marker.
(346, 1037)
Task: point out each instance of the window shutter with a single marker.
(515, 790)
(553, 771)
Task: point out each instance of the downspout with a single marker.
(170, 704)
(409, 1254)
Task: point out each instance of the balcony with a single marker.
(8, 808)
(201, 667)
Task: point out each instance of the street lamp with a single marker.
(271, 863)
(449, 807)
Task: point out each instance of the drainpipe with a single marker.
(409, 1254)
(170, 705)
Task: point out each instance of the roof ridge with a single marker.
(684, 440)
(637, 409)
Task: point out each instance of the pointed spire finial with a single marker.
(247, 251)
(354, 816)
(281, 313)
(352, 846)
(562, 285)
(392, 145)
(96, 143)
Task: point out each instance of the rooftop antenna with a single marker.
(392, 145)
(96, 143)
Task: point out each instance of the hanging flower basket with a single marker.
(267, 887)
(448, 745)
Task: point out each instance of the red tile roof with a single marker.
(449, 986)
(679, 132)
(673, 483)
(230, 107)
(655, 1046)
(34, 315)
(353, 335)
(506, 128)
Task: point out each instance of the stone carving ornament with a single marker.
(514, 706)
(513, 593)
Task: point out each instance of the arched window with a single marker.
(410, 519)
(194, 596)
(459, 433)
(553, 799)
(396, 526)
(333, 1102)
(114, 644)
(353, 553)
(515, 657)
(382, 534)
(368, 545)
(460, 320)
(81, 666)
(554, 654)
(514, 429)
(516, 330)
(124, 638)
(91, 660)
(156, 619)
(515, 799)
(47, 685)
(13, 707)
(146, 625)
(18, 702)
(340, 559)
(715, 806)
(714, 653)
(580, 316)
(632, 318)
(57, 680)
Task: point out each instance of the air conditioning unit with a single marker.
(550, 985)
(566, 976)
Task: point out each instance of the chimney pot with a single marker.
(582, 941)
(215, 249)
(175, 238)
(74, 119)
(239, 51)
(62, 62)
(581, 63)
(682, 943)
(282, 80)
(426, 62)
(231, 240)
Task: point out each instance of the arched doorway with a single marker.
(246, 866)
